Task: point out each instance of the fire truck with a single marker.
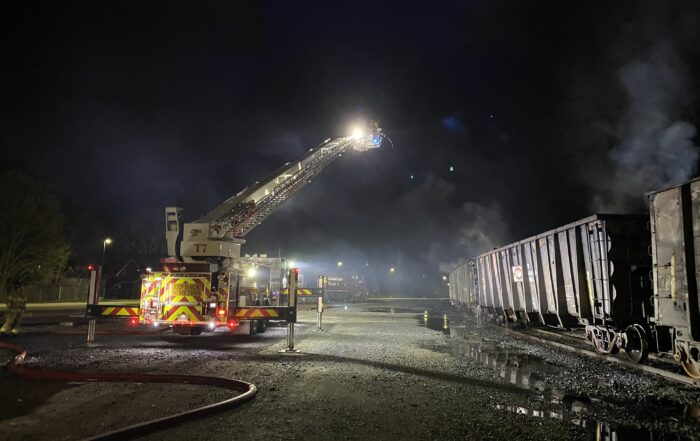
(201, 284)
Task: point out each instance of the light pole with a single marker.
(107, 241)
(340, 264)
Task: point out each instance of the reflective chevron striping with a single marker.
(173, 313)
(304, 291)
(265, 312)
(120, 311)
(254, 313)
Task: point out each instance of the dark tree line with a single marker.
(33, 247)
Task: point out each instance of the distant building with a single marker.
(347, 287)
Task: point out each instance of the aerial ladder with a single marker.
(198, 286)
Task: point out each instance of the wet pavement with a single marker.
(382, 370)
(531, 372)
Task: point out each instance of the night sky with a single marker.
(546, 111)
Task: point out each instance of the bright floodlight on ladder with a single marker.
(357, 133)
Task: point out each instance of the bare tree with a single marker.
(33, 248)
(146, 235)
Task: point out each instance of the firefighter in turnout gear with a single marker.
(16, 305)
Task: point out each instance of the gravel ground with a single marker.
(379, 371)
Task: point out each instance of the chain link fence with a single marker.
(70, 289)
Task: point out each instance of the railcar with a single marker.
(631, 281)
(675, 245)
(463, 286)
(592, 274)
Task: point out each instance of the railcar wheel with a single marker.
(691, 365)
(636, 347)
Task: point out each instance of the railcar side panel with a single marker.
(505, 278)
(568, 260)
(531, 282)
(516, 259)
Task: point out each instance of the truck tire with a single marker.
(188, 330)
(262, 324)
(253, 327)
(196, 330)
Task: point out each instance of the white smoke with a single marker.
(475, 228)
(656, 148)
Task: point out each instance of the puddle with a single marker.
(522, 370)
(435, 322)
(597, 430)
(531, 372)
(388, 310)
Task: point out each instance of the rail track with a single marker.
(548, 338)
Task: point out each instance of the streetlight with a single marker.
(392, 269)
(107, 241)
(444, 277)
(340, 264)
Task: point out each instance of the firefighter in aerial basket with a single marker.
(16, 305)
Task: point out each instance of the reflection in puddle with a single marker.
(392, 310)
(597, 430)
(529, 412)
(522, 370)
(435, 322)
(530, 372)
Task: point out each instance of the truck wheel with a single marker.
(196, 330)
(188, 330)
(253, 327)
(262, 324)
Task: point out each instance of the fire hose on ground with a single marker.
(248, 390)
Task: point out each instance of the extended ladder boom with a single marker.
(237, 216)
(218, 233)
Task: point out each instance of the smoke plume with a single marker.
(656, 146)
